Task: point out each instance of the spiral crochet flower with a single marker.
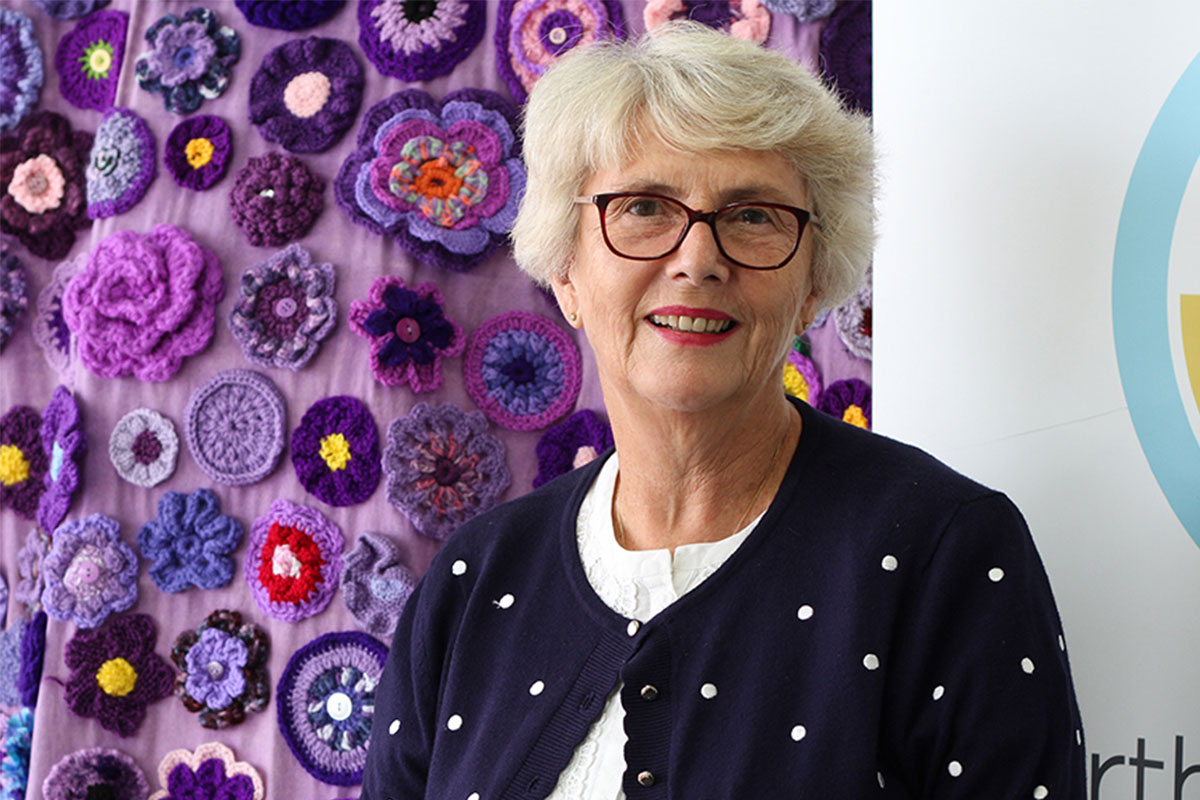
(70, 9)
(745, 19)
(18, 746)
(14, 295)
(143, 447)
(122, 164)
(234, 425)
(65, 443)
(23, 461)
(575, 441)
(89, 572)
(89, 59)
(144, 302)
(112, 774)
(198, 151)
(409, 332)
(375, 584)
(335, 450)
(21, 69)
(190, 543)
(276, 199)
(419, 41)
(223, 669)
(803, 10)
(42, 167)
(293, 562)
(29, 567)
(288, 15)
(849, 401)
(444, 178)
(212, 772)
(801, 378)
(50, 329)
(190, 59)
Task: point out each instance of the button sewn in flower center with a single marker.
(83, 572)
(408, 330)
(339, 706)
(285, 307)
(37, 184)
(184, 56)
(216, 670)
(557, 35)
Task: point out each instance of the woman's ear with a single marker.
(808, 312)
(567, 296)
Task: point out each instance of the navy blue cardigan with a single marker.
(887, 631)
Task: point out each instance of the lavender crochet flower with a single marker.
(122, 164)
(190, 543)
(335, 450)
(50, 329)
(288, 15)
(443, 467)
(375, 584)
(65, 443)
(89, 59)
(444, 178)
(18, 746)
(190, 59)
(89, 572)
(29, 567)
(14, 295)
(144, 302)
(198, 151)
(10, 663)
(849, 401)
(419, 41)
(112, 774)
(234, 425)
(21, 71)
(23, 462)
(293, 562)
(745, 19)
(803, 10)
(276, 199)
(70, 9)
(223, 669)
(285, 309)
(143, 447)
(576, 441)
(212, 771)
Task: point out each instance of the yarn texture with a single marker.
(375, 584)
(288, 15)
(306, 93)
(234, 425)
(575, 441)
(190, 543)
(89, 572)
(21, 69)
(33, 657)
(190, 59)
(801, 378)
(50, 329)
(849, 401)
(276, 199)
(198, 151)
(745, 19)
(417, 42)
(10, 663)
(70, 9)
(223, 669)
(846, 54)
(64, 442)
(14, 295)
(122, 164)
(293, 561)
(18, 746)
(29, 568)
(335, 450)
(853, 319)
(113, 773)
(143, 447)
(89, 58)
(23, 461)
(211, 771)
(803, 10)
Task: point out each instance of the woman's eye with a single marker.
(753, 216)
(644, 207)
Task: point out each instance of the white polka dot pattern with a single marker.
(454, 723)
(871, 661)
(804, 612)
(798, 733)
(1027, 665)
(954, 768)
(506, 601)
(995, 574)
(537, 688)
(1041, 793)
(394, 727)
(890, 563)
(708, 691)
(938, 692)
(459, 567)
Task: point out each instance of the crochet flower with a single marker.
(42, 165)
(223, 666)
(522, 370)
(95, 772)
(533, 34)
(65, 443)
(212, 772)
(143, 447)
(335, 450)
(10, 663)
(190, 542)
(144, 302)
(33, 657)
(443, 179)
(419, 41)
(18, 746)
(190, 59)
(21, 71)
(198, 151)
(70, 9)
(575, 441)
(50, 329)
(234, 424)
(122, 164)
(375, 585)
(23, 461)
(115, 673)
(14, 297)
(276, 199)
(294, 560)
(801, 377)
(29, 567)
(443, 467)
(89, 59)
(306, 93)
(89, 572)
(745, 19)
(293, 15)
(849, 401)
(803, 10)
(853, 319)
(285, 309)
(409, 332)
(845, 54)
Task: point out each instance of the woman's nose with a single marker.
(698, 258)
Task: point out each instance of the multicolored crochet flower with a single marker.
(443, 467)
(198, 151)
(95, 772)
(326, 702)
(443, 178)
(234, 425)
(23, 461)
(18, 746)
(89, 572)
(89, 59)
(42, 165)
(122, 164)
(533, 34)
(801, 378)
(849, 401)
(14, 295)
(29, 566)
(419, 41)
(375, 584)
(335, 450)
(285, 309)
(33, 658)
(190, 542)
(306, 93)
(853, 320)
(745, 19)
(190, 59)
(21, 70)
(143, 447)
(522, 370)
(293, 15)
(115, 673)
(803, 10)
(845, 54)
(70, 9)
(276, 199)
(65, 443)
(575, 441)
(50, 329)
(212, 771)
(409, 332)
(223, 669)
(294, 560)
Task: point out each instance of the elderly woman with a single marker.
(747, 599)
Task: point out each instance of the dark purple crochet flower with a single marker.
(65, 443)
(198, 151)
(846, 53)
(849, 401)
(418, 41)
(14, 295)
(276, 199)
(90, 572)
(89, 59)
(122, 164)
(306, 93)
(190, 59)
(23, 461)
(211, 772)
(70, 9)
(33, 658)
(190, 542)
(572, 443)
(288, 15)
(21, 70)
(335, 450)
(112, 774)
(223, 669)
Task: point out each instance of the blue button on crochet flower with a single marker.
(190, 543)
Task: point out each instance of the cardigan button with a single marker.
(649, 692)
(646, 778)
(633, 627)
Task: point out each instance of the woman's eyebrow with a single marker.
(766, 193)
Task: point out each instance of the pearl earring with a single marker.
(572, 317)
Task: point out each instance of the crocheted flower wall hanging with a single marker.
(121, 166)
(14, 295)
(418, 41)
(745, 19)
(212, 771)
(29, 568)
(288, 15)
(50, 329)
(443, 467)
(42, 163)
(65, 443)
(10, 663)
(276, 199)
(112, 773)
(444, 178)
(522, 370)
(33, 658)
(849, 401)
(143, 447)
(70, 9)
(89, 59)
(375, 584)
(190, 542)
(853, 319)
(18, 747)
(801, 378)
(326, 701)
(23, 461)
(285, 309)
(803, 10)
(21, 69)
(89, 572)
(845, 54)
(143, 303)
(533, 34)
(575, 441)
(294, 560)
(234, 425)
(223, 669)
(115, 673)
(190, 59)
(198, 151)
(306, 93)
(409, 332)
(335, 450)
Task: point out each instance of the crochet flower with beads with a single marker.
(115, 673)
(276, 199)
(65, 443)
(42, 167)
(801, 378)
(143, 303)
(444, 178)
(223, 669)
(143, 447)
(89, 59)
(295, 15)
(285, 309)
(576, 441)
(23, 461)
(849, 401)
(190, 543)
(212, 772)
(18, 746)
(70, 9)
(335, 450)
(375, 585)
(14, 295)
(198, 151)
(190, 59)
(293, 562)
(95, 772)
(89, 572)
(122, 164)
(409, 332)
(745, 19)
(29, 567)
(21, 69)
(443, 467)
(418, 41)
(50, 329)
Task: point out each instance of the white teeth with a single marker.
(692, 324)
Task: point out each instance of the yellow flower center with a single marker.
(199, 152)
(14, 468)
(794, 383)
(855, 416)
(336, 451)
(116, 677)
(100, 60)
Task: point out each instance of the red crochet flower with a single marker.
(291, 564)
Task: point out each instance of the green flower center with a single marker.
(97, 60)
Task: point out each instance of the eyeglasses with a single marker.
(644, 227)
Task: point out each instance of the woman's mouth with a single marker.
(687, 324)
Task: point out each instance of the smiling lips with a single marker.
(683, 323)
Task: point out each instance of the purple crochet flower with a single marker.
(849, 401)
(89, 572)
(89, 59)
(294, 560)
(122, 164)
(190, 542)
(443, 179)
(212, 772)
(803, 10)
(285, 309)
(10, 664)
(198, 151)
(853, 319)
(575, 441)
(33, 658)
(50, 329)
(29, 566)
(111, 772)
(70, 9)
(21, 70)
(419, 41)
(801, 377)
(234, 425)
(846, 54)
(335, 450)
(143, 447)
(190, 59)
(276, 199)
(65, 443)
(14, 295)
(375, 584)
(745, 19)
(288, 15)
(223, 669)
(306, 93)
(443, 468)
(409, 332)
(23, 461)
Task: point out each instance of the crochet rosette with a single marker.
(575, 441)
(70, 9)
(849, 401)
(89, 59)
(190, 59)
(293, 562)
(335, 450)
(198, 151)
(113, 774)
(14, 295)
(745, 19)
(325, 702)
(89, 572)
(212, 770)
(23, 461)
(190, 543)
(121, 166)
(65, 444)
(223, 669)
(234, 425)
(845, 54)
(801, 378)
(375, 584)
(418, 41)
(276, 198)
(21, 69)
(143, 447)
(50, 329)
(288, 15)
(853, 320)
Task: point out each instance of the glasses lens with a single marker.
(644, 226)
(758, 235)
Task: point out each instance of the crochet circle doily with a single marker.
(235, 427)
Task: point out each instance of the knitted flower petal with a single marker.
(190, 59)
(89, 59)
(375, 584)
(143, 447)
(335, 450)
(14, 295)
(419, 41)
(223, 664)
(114, 773)
(21, 71)
(745, 19)
(50, 329)
(70, 9)
(575, 441)
(198, 151)
(23, 461)
(293, 562)
(89, 572)
(234, 425)
(849, 401)
(122, 164)
(288, 15)
(276, 199)
(190, 542)
(65, 443)
(212, 770)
